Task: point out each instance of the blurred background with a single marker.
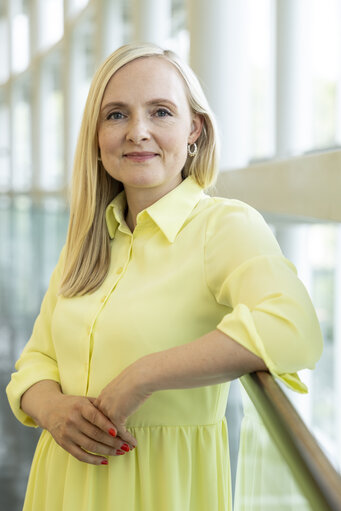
(271, 70)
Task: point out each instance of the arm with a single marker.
(271, 324)
(213, 358)
(74, 422)
(36, 397)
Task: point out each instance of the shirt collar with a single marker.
(169, 212)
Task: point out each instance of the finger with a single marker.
(94, 433)
(86, 457)
(127, 437)
(93, 447)
(96, 417)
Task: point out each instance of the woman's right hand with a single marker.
(82, 430)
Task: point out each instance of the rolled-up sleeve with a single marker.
(271, 312)
(38, 359)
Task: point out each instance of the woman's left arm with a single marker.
(211, 359)
(270, 321)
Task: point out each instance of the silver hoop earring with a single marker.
(192, 149)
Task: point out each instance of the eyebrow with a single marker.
(121, 104)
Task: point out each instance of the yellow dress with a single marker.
(193, 263)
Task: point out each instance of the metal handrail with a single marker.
(316, 477)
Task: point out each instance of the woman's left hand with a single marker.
(122, 397)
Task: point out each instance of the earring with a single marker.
(192, 149)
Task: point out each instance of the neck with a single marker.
(139, 199)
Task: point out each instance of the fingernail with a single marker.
(104, 462)
(112, 432)
(119, 452)
(125, 447)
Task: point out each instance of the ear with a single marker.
(196, 128)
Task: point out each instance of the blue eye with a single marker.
(115, 116)
(162, 112)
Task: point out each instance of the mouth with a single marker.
(140, 156)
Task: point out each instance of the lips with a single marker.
(140, 155)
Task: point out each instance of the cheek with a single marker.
(107, 142)
(175, 144)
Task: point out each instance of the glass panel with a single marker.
(51, 22)
(20, 40)
(315, 250)
(4, 68)
(52, 156)
(21, 133)
(263, 480)
(30, 240)
(4, 145)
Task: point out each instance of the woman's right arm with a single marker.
(73, 421)
(35, 395)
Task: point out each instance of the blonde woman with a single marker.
(161, 296)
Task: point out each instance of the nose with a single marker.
(137, 130)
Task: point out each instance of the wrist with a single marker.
(143, 371)
(39, 401)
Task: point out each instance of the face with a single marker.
(145, 124)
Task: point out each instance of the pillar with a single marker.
(219, 56)
(151, 20)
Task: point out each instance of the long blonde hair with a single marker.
(87, 254)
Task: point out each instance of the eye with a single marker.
(162, 112)
(115, 116)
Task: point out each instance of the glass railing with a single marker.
(280, 467)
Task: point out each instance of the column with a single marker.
(219, 56)
(109, 15)
(293, 73)
(35, 19)
(294, 130)
(151, 20)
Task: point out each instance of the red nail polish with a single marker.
(112, 432)
(118, 452)
(125, 447)
(104, 462)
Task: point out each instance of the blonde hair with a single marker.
(87, 254)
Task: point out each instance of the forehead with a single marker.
(153, 76)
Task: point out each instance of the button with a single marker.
(119, 270)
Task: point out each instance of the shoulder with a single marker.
(231, 213)
(235, 226)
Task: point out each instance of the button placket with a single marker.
(119, 274)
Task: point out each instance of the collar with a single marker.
(169, 212)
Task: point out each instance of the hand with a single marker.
(122, 397)
(78, 426)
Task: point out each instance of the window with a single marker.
(52, 161)
(74, 6)
(81, 72)
(20, 42)
(4, 144)
(4, 68)
(51, 22)
(21, 134)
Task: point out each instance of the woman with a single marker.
(159, 288)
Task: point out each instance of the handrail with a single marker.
(304, 187)
(317, 479)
